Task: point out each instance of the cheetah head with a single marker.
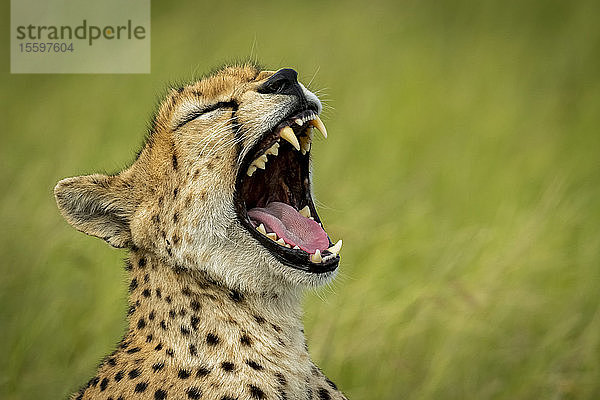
(222, 185)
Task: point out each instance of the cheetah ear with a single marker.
(98, 205)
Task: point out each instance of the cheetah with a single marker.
(223, 238)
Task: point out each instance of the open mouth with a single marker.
(273, 196)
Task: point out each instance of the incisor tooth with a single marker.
(288, 134)
(280, 241)
(317, 123)
(335, 249)
(296, 247)
(261, 229)
(298, 121)
(316, 258)
(251, 170)
(272, 236)
(305, 212)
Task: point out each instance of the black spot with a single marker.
(158, 366)
(277, 328)
(80, 395)
(194, 393)
(112, 361)
(158, 293)
(183, 374)
(184, 330)
(254, 365)
(256, 392)
(158, 347)
(195, 305)
(202, 371)
(236, 296)
(141, 323)
(174, 162)
(333, 385)
(259, 319)
(175, 217)
(245, 340)
(168, 299)
(134, 373)
(151, 315)
(227, 366)
(133, 285)
(324, 394)
(163, 325)
(133, 350)
(142, 262)
(170, 352)
(140, 387)
(175, 191)
(146, 278)
(193, 350)
(182, 312)
(186, 291)
(103, 384)
(172, 314)
(194, 320)
(146, 293)
(212, 339)
(149, 338)
(118, 376)
(280, 378)
(282, 395)
(94, 381)
(315, 370)
(228, 398)
(128, 265)
(156, 219)
(160, 394)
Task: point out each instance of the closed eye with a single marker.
(195, 114)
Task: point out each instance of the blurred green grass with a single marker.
(462, 172)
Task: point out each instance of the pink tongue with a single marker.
(290, 225)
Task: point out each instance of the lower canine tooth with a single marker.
(316, 258)
(335, 249)
(288, 134)
(251, 170)
(261, 229)
(305, 212)
(317, 123)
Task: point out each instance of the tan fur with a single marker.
(204, 293)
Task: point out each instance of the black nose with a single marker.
(284, 81)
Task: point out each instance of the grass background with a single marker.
(462, 172)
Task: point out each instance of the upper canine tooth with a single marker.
(251, 170)
(305, 212)
(288, 134)
(335, 249)
(317, 123)
(298, 121)
(261, 229)
(316, 258)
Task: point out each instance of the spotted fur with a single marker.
(212, 314)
